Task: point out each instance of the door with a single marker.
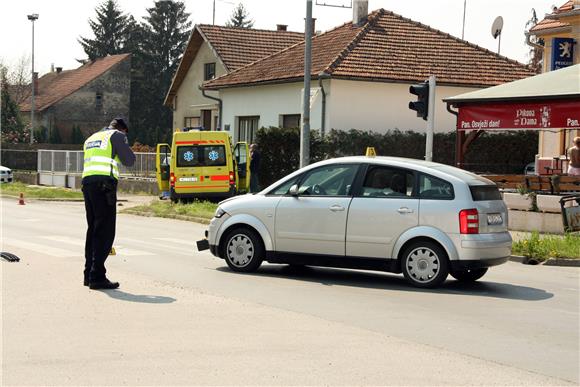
(162, 166)
(206, 119)
(241, 156)
(381, 211)
(312, 220)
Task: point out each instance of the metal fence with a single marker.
(71, 162)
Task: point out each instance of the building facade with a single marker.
(86, 98)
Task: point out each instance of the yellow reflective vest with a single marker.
(98, 155)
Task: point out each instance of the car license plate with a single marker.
(193, 178)
(494, 219)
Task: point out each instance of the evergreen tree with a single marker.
(164, 37)
(240, 18)
(111, 30)
(10, 121)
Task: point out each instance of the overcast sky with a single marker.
(61, 22)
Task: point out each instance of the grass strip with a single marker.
(547, 246)
(198, 210)
(39, 192)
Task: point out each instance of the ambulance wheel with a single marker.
(243, 250)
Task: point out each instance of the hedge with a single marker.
(501, 152)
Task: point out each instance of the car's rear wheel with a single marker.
(469, 275)
(243, 250)
(425, 264)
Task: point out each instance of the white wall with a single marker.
(268, 102)
(381, 106)
(189, 94)
(350, 104)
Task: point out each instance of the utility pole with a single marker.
(32, 18)
(430, 120)
(305, 132)
(463, 29)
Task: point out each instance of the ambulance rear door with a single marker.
(162, 167)
(242, 157)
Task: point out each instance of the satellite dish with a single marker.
(496, 27)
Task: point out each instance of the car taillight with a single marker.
(231, 178)
(172, 179)
(469, 221)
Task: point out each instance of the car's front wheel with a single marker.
(425, 264)
(469, 275)
(243, 250)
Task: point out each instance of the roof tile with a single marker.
(53, 87)
(388, 47)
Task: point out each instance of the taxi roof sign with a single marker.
(371, 151)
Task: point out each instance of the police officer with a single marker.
(103, 151)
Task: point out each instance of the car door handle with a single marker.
(336, 207)
(405, 210)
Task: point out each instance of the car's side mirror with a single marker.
(293, 190)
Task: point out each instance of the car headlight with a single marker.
(219, 213)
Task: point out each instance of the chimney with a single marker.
(35, 80)
(360, 11)
(281, 27)
(313, 26)
(52, 67)
(58, 70)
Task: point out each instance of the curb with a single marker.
(569, 262)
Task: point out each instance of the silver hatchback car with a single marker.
(424, 219)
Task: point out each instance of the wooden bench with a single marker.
(566, 184)
(551, 183)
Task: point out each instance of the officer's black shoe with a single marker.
(106, 284)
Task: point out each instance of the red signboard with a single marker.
(520, 115)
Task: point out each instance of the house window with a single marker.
(247, 127)
(190, 122)
(99, 100)
(290, 120)
(209, 71)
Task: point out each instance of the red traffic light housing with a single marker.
(421, 106)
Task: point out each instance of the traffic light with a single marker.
(421, 106)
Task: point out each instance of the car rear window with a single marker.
(484, 192)
(201, 156)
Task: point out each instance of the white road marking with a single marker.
(65, 239)
(163, 247)
(190, 243)
(42, 249)
(127, 252)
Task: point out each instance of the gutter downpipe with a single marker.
(459, 137)
(322, 76)
(220, 105)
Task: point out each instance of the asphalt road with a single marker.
(518, 326)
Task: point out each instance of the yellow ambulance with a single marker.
(202, 164)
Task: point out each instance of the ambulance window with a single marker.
(201, 156)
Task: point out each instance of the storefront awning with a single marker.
(546, 101)
(563, 114)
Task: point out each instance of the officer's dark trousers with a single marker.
(101, 208)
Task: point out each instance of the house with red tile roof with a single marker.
(562, 23)
(361, 72)
(87, 97)
(213, 51)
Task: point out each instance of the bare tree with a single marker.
(18, 78)
(536, 50)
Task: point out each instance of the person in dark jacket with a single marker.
(104, 151)
(254, 168)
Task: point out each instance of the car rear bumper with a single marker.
(477, 264)
(483, 247)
